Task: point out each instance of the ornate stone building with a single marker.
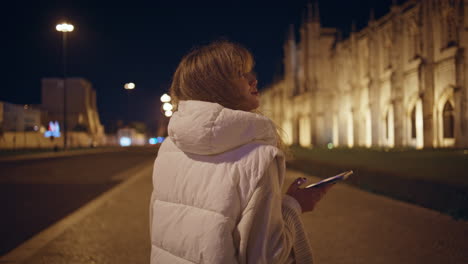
(399, 82)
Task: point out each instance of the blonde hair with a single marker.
(207, 74)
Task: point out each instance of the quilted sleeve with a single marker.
(271, 229)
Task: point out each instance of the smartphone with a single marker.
(339, 177)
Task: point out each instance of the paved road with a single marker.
(348, 227)
(357, 227)
(36, 193)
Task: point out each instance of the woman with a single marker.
(217, 179)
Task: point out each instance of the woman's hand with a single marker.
(307, 197)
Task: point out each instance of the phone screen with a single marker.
(339, 177)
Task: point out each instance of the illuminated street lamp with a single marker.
(165, 98)
(167, 107)
(64, 28)
(129, 86)
(168, 113)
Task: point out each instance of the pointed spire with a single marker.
(316, 12)
(339, 35)
(291, 35)
(310, 12)
(304, 17)
(372, 15)
(353, 26)
(394, 6)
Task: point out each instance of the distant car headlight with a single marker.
(125, 141)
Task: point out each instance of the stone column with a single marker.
(426, 76)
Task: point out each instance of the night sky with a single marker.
(115, 42)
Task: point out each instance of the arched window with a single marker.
(449, 120)
(413, 122)
(449, 24)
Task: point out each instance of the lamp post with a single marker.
(129, 86)
(166, 108)
(64, 28)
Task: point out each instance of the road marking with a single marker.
(40, 240)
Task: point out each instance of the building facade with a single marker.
(399, 82)
(15, 117)
(82, 114)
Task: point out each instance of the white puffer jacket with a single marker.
(217, 192)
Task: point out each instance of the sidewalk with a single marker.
(349, 226)
(357, 227)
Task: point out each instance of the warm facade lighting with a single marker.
(304, 132)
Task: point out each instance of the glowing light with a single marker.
(165, 98)
(125, 141)
(167, 107)
(53, 131)
(153, 141)
(330, 145)
(335, 132)
(288, 131)
(65, 27)
(350, 130)
(304, 132)
(160, 139)
(129, 86)
(368, 126)
(419, 125)
(168, 113)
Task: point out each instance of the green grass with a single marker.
(444, 166)
(436, 179)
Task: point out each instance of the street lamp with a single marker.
(168, 113)
(165, 98)
(167, 106)
(129, 86)
(64, 28)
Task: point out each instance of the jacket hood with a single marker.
(207, 128)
